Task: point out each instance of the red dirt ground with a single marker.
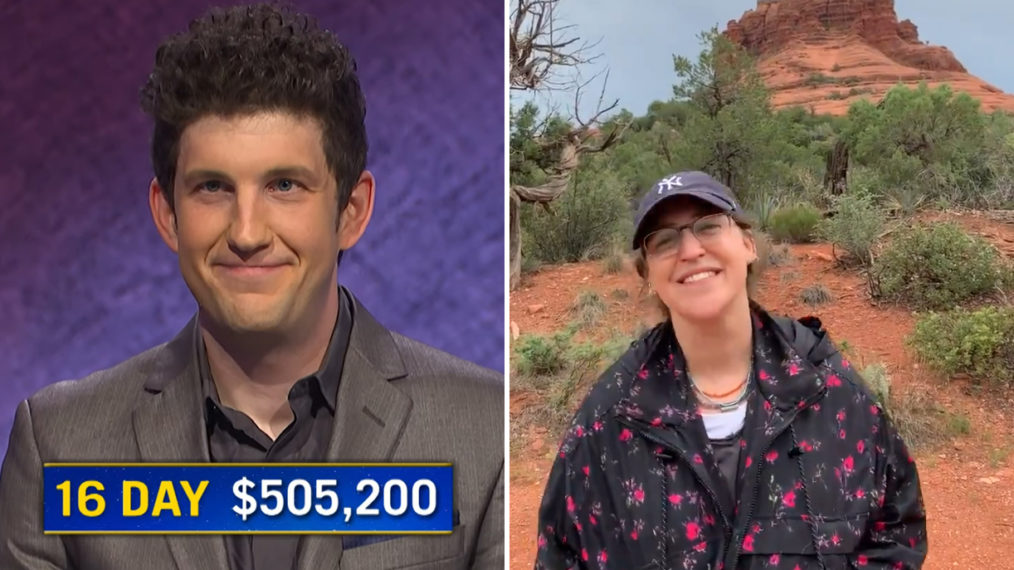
(968, 482)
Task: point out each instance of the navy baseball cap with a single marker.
(692, 183)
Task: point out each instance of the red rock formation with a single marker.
(823, 54)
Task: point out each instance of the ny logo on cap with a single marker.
(669, 183)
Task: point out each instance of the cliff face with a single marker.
(824, 54)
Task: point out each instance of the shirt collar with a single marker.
(327, 377)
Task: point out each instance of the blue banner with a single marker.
(248, 498)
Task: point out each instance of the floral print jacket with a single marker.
(824, 480)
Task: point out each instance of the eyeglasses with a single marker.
(667, 240)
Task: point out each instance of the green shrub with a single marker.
(845, 347)
(915, 414)
(999, 159)
(958, 423)
(619, 294)
(530, 264)
(918, 418)
(998, 456)
(815, 79)
(588, 308)
(864, 180)
(579, 225)
(937, 267)
(815, 295)
(613, 263)
(796, 177)
(836, 96)
(898, 169)
(878, 381)
(541, 356)
(906, 199)
(855, 226)
(556, 369)
(1007, 277)
(797, 224)
(779, 256)
(979, 343)
(763, 208)
(584, 362)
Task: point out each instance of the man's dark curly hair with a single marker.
(245, 59)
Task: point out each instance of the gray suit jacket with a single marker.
(399, 400)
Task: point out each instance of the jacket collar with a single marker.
(370, 418)
(657, 391)
(179, 361)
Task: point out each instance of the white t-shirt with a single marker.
(721, 425)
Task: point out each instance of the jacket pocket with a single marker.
(699, 556)
(409, 553)
(794, 536)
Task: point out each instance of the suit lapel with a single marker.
(169, 426)
(369, 418)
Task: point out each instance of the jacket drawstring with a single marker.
(806, 495)
(665, 518)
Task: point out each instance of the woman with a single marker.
(726, 437)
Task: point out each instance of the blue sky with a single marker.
(638, 39)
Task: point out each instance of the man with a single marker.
(259, 151)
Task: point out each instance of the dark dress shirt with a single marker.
(233, 438)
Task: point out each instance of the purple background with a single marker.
(85, 282)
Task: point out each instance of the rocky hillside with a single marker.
(823, 54)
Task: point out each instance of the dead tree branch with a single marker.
(540, 47)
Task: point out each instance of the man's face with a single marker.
(256, 221)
